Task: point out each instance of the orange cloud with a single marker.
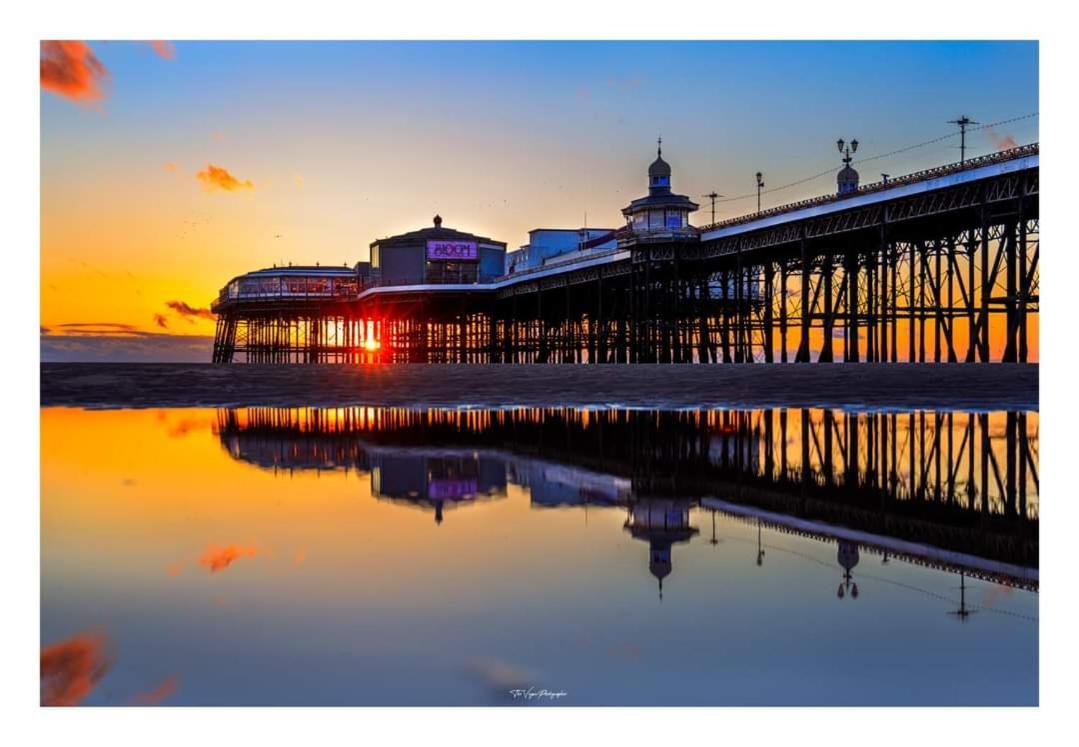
(176, 568)
(190, 312)
(169, 166)
(219, 558)
(70, 69)
(217, 177)
(1001, 142)
(165, 49)
(72, 668)
(158, 694)
(300, 557)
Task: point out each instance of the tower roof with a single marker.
(847, 174)
(659, 167)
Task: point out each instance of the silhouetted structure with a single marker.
(915, 268)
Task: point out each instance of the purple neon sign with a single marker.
(452, 250)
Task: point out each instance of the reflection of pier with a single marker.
(965, 484)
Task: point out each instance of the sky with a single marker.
(167, 168)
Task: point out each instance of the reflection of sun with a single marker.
(371, 344)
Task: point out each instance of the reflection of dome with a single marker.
(847, 555)
(662, 523)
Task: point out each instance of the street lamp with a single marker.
(760, 186)
(847, 151)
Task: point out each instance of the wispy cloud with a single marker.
(219, 558)
(124, 347)
(72, 70)
(189, 312)
(163, 49)
(161, 321)
(215, 178)
(72, 668)
(1001, 142)
(170, 166)
(98, 328)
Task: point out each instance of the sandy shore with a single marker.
(851, 386)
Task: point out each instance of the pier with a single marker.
(921, 268)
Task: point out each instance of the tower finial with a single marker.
(659, 146)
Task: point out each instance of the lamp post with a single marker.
(963, 122)
(713, 196)
(847, 150)
(760, 186)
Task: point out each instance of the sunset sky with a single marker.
(169, 167)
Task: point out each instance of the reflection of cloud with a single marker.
(625, 650)
(219, 558)
(218, 178)
(70, 69)
(158, 694)
(499, 675)
(72, 668)
(186, 425)
(190, 312)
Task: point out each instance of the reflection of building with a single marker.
(436, 481)
(436, 255)
(662, 523)
(551, 485)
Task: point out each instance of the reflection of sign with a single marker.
(451, 489)
(452, 250)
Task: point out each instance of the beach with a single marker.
(867, 386)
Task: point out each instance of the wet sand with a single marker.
(876, 386)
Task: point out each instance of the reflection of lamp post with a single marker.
(848, 558)
(760, 186)
(713, 541)
(760, 547)
(962, 613)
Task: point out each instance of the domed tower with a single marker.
(661, 216)
(847, 180)
(659, 174)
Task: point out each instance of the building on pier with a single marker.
(299, 282)
(549, 246)
(436, 255)
(660, 216)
